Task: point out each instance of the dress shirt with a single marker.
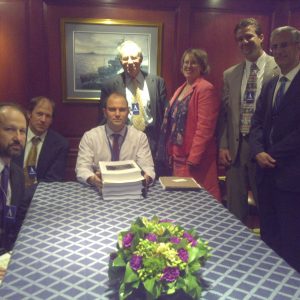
(289, 76)
(30, 135)
(94, 147)
(260, 63)
(130, 91)
(8, 195)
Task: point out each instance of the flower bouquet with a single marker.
(158, 258)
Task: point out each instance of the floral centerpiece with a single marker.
(159, 258)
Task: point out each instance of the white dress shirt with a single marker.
(8, 194)
(130, 87)
(289, 76)
(94, 147)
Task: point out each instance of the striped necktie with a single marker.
(30, 166)
(248, 103)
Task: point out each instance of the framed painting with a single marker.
(89, 53)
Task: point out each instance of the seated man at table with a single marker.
(101, 142)
(12, 204)
(45, 155)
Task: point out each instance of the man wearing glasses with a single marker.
(145, 94)
(275, 144)
(242, 86)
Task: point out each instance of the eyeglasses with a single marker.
(190, 63)
(281, 46)
(127, 58)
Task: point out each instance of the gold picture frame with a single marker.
(89, 53)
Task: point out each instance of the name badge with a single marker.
(10, 212)
(250, 96)
(135, 109)
(31, 171)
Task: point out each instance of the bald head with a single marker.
(12, 131)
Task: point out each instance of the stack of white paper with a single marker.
(121, 180)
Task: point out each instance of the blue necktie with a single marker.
(115, 147)
(280, 93)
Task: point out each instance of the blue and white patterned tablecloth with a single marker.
(63, 248)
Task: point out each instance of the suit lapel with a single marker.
(119, 84)
(288, 96)
(237, 77)
(151, 86)
(271, 69)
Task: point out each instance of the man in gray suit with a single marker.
(151, 90)
(242, 86)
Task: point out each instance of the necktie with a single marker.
(30, 166)
(138, 113)
(115, 147)
(280, 93)
(247, 105)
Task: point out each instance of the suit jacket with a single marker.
(12, 228)
(52, 159)
(199, 142)
(157, 93)
(229, 120)
(285, 125)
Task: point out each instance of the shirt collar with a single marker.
(140, 78)
(30, 135)
(2, 164)
(260, 62)
(291, 75)
(110, 132)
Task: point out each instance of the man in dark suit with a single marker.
(275, 144)
(12, 205)
(151, 89)
(238, 104)
(51, 148)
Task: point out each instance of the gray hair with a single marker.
(130, 44)
(295, 33)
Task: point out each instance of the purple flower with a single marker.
(165, 221)
(151, 237)
(127, 239)
(190, 238)
(113, 256)
(175, 240)
(183, 255)
(170, 274)
(135, 262)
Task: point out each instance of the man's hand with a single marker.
(95, 180)
(224, 157)
(265, 160)
(148, 179)
(2, 273)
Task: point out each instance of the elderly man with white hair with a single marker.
(145, 94)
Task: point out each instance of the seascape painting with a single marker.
(90, 56)
(96, 57)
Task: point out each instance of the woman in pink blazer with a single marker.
(188, 130)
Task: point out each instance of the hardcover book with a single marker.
(179, 183)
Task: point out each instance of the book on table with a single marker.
(121, 180)
(179, 183)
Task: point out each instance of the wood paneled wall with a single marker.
(30, 49)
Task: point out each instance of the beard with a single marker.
(11, 150)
